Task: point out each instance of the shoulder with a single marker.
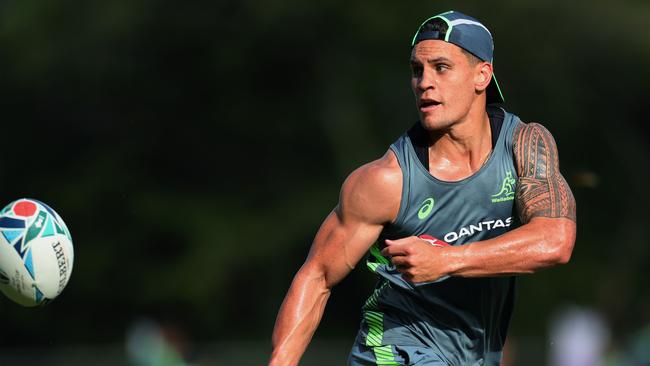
(531, 131)
(522, 129)
(373, 191)
(531, 142)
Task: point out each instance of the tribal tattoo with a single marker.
(541, 190)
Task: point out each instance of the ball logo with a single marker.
(425, 210)
(3, 278)
(63, 265)
(25, 208)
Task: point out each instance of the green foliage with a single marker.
(194, 148)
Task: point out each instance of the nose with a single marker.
(426, 79)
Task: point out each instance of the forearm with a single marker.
(541, 243)
(299, 317)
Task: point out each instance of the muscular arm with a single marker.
(369, 199)
(542, 190)
(547, 211)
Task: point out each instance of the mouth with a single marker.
(428, 105)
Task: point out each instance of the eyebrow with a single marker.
(432, 60)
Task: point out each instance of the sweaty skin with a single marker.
(450, 96)
(369, 199)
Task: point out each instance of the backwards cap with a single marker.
(468, 34)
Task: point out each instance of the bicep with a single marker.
(369, 199)
(541, 190)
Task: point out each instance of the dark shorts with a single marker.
(393, 355)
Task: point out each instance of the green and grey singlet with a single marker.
(463, 320)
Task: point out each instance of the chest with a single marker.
(477, 208)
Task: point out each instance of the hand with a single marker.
(418, 259)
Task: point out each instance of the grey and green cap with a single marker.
(468, 34)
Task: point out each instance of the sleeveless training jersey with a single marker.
(463, 320)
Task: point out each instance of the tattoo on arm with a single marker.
(541, 190)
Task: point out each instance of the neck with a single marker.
(461, 150)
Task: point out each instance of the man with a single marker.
(468, 173)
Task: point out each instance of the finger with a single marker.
(394, 250)
(405, 240)
(400, 262)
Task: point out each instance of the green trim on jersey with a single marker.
(372, 302)
(372, 266)
(374, 250)
(375, 321)
(385, 356)
(379, 259)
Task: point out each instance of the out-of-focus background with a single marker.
(193, 149)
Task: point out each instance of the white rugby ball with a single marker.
(36, 253)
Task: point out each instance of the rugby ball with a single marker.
(36, 253)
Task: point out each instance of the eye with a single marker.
(441, 67)
(416, 70)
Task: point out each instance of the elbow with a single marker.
(563, 253)
(564, 242)
(315, 276)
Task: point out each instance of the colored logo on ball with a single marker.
(24, 208)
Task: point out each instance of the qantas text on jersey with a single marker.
(474, 228)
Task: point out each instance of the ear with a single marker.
(483, 76)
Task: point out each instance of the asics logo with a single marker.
(425, 210)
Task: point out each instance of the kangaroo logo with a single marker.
(507, 192)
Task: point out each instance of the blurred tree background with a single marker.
(193, 148)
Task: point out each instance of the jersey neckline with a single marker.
(498, 146)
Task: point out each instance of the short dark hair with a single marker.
(439, 25)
